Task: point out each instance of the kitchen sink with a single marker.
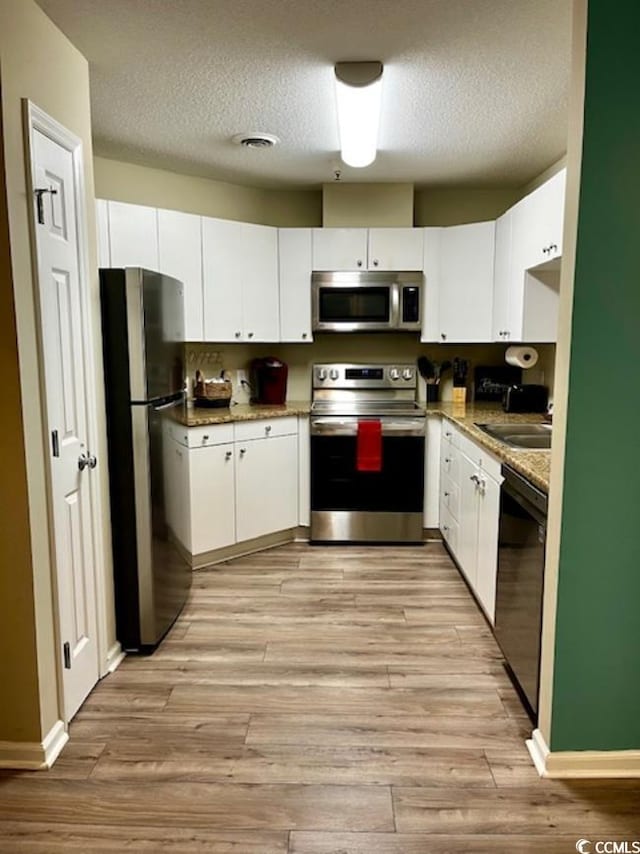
(526, 437)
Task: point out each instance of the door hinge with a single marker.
(55, 444)
(67, 655)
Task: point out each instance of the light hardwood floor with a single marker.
(312, 701)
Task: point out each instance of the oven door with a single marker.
(352, 505)
(354, 307)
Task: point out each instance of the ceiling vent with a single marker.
(256, 140)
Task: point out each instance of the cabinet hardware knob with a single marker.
(359, 263)
(251, 335)
(205, 438)
(553, 248)
(267, 429)
(445, 527)
(238, 334)
(475, 479)
(447, 459)
(443, 335)
(228, 455)
(375, 262)
(448, 435)
(446, 495)
(304, 334)
(243, 451)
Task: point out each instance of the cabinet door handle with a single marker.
(243, 451)
(443, 335)
(447, 459)
(475, 479)
(251, 335)
(205, 439)
(375, 262)
(267, 429)
(228, 455)
(553, 248)
(448, 435)
(445, 527)
(238, 334)
(359, 263)
(304, 334)
(446, 495)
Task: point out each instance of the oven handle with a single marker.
(350, 428)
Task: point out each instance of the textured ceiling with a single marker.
(474, 92)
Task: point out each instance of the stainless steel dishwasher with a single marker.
(521, 552)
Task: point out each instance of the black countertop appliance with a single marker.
(526, 398)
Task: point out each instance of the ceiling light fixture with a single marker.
(358, 91)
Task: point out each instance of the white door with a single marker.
(64, 355)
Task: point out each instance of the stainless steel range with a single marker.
(367, 454)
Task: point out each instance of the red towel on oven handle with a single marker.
(369, 446)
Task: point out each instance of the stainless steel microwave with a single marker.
(363, 302)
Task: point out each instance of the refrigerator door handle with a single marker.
(167, 405)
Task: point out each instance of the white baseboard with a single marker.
(33, 755)
(115, 656)
(585, 764)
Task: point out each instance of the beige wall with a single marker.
(142, 185)
(36, 62)
(19, 718)
(456, 206)
(376, 205)
(212, 358)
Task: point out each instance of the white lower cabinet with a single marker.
(266, 486)
(469, 512)
(228, 483)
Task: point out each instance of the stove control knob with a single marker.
(333, 374)
(407, 374)
(394, 374)
(321, 374)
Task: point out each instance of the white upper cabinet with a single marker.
(240, 267)
(221, 266)
(102, 226)
(339, 249)
(538, 222)
(527, 266)
(133, 236)
(459, 283)
(352, 249)
(294, 251)
(180, 253)
(259, 270)
(395, 249)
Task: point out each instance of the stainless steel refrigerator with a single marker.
(143, 335)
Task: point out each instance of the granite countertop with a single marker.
(201, 416)
(534, 465)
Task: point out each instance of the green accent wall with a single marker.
(596, 694)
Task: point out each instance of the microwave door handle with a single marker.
(395, 305)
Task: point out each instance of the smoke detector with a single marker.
(255, 139)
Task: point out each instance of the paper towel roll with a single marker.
(521, 357)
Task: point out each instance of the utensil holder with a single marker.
(432, 392)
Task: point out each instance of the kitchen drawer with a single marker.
(450, 435)
(449, 529)
(450, 496)
(209, 434)
(266, 428)
(483, 458)
(450, 463)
